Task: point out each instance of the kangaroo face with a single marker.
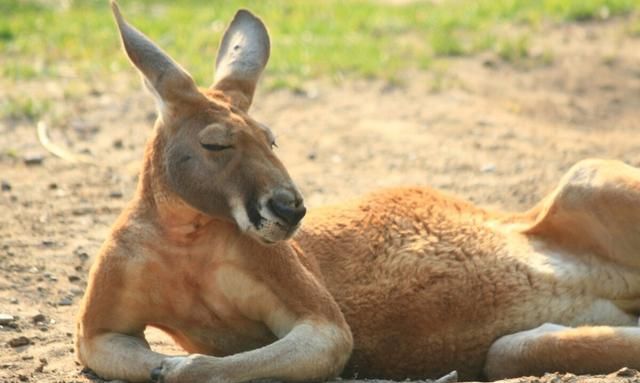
(215, 157)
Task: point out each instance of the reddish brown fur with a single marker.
(404, 283)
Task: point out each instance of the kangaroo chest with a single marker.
(190, 307)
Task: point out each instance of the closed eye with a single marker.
(216, 147)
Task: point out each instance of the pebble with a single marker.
(38, 318)
(115, 194)
(19, 341)
(6, 186)
(118, 144)
(66, 301)
(43, 363)
(82, 211)
(488, 168)
(73, 278)
(5, 319)
(626, 372)
(33, 159)
(13, 301)
(50, 277)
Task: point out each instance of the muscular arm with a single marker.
(314, 339)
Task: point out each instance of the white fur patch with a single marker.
(239, 213)
(272, 228)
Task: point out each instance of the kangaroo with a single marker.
(403, 283)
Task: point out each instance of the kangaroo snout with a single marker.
(288, 206)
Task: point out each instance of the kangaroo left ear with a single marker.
(242, 56)
(168, 81)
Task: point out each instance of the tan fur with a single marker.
(403, 283)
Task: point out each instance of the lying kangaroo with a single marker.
(404, 283)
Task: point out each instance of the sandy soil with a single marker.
(492, 132)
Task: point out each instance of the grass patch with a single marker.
(514, 49)
(334, 38)
(20, 107)
(634, 26)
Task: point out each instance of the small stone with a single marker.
(118, 144)
(23, 378)
(312, 156)
(82, 211)
(33, 159)
(53, 186)
(115, 194)
(488, 168)
(626, 372)
(489, 63)
(27, 357)
(73, 278)
(6, 186)
(50, 277)
(5, 319)
(66, 301)
(19, 341)
(39, 318)
(13, 301)
(451, 377)
(43, 363)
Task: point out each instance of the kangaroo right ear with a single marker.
(242, 56)
(166, 79)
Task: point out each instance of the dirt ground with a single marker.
(493, 132)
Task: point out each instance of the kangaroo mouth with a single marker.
(257, 220)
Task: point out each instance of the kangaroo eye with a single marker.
(216, 147)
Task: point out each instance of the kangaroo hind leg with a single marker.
(595, 208)
(554, 348)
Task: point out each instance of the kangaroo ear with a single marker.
(168, 81)
(243, 54)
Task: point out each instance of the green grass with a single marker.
(514, 49)
(42, 39)
(23, 107)
(634, 26)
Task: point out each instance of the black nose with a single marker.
(156, 375)
(287, 206)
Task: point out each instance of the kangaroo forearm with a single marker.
(119, 356)
(307, 352)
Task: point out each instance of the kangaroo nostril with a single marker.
(156, 375)
(288, 207)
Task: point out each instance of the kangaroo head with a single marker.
(214, 157)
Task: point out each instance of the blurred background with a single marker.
(489, 100)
